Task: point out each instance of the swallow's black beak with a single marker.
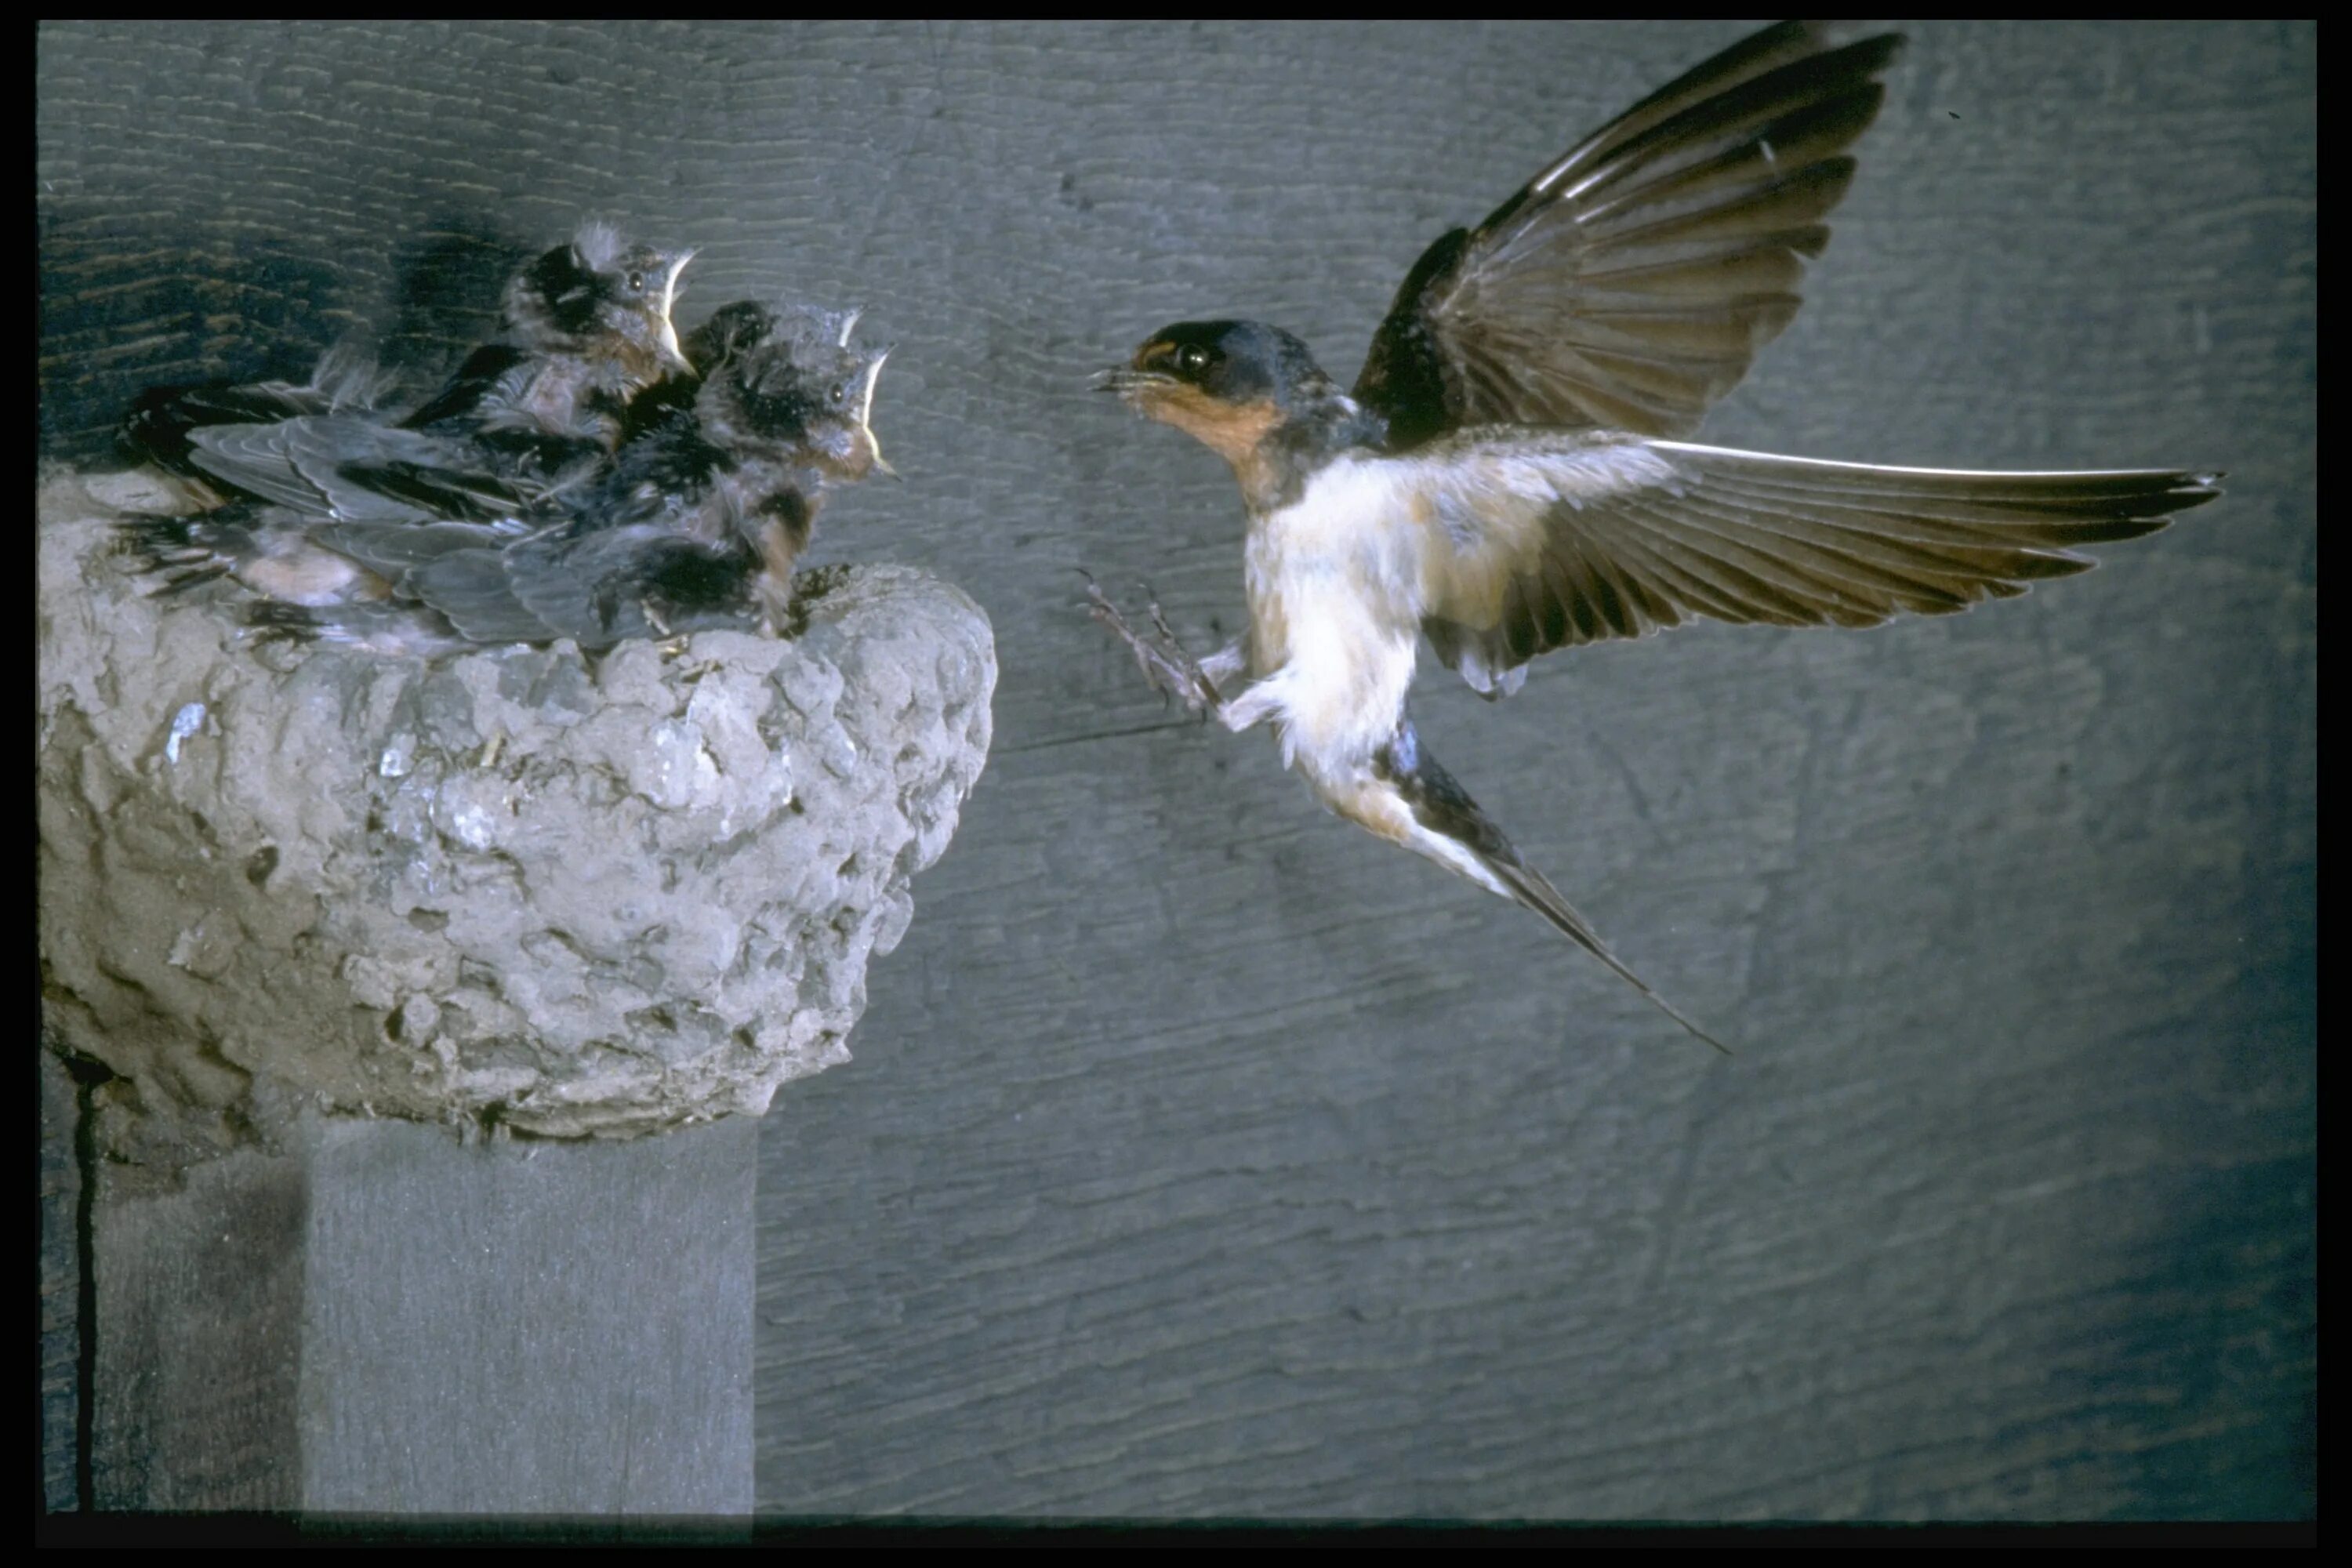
(1127, 380)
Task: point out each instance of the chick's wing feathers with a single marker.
(461, 398)
(162, 420)
(351, 468)
(597, 587)
(1630, 284)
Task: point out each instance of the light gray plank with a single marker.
(199, 1305)
(542, 1327)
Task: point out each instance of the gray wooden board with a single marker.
(199, 1304)
(555, 1329)
(60, 1282)
(1204, 1156)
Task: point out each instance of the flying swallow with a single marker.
(585, 327)
(1510, 473)
(696, 522)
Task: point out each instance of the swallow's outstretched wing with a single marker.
(1628, 285)
(1418, 803)
(1540, 542)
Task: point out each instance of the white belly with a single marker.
(1334, 613)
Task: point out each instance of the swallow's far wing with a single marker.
(1628, 285)
(1545, 542)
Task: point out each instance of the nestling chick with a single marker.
(696, 524)
(586, 327)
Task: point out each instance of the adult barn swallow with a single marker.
(585, 327)
(696, 524)
(1508, 476)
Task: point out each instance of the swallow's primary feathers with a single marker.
(1508, 476)
(696, 522)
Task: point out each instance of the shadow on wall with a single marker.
(126, 306)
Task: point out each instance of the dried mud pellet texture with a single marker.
(524, 888)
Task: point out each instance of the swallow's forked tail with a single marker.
(1447, 827)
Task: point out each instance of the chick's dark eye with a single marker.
(1191, 358)
(836, 394)
(636, 280)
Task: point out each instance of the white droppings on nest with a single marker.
(184, 723)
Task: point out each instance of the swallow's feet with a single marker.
(1161, 655)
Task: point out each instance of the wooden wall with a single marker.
(1201, 1155)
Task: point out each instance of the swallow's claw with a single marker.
(1192, 683)
(1171, 672)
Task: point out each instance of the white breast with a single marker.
(1333, 589)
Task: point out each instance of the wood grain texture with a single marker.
(1203, 1156)
(198, 1305)
(60, 1269)
(553, 1329)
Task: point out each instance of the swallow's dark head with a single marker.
(1228, 384)
(602, 298)
(1250, 392)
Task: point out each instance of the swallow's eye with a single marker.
(837, 395)
(636, 283)
(1191, 358)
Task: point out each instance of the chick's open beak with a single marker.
(671, 353)
(865, 406)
